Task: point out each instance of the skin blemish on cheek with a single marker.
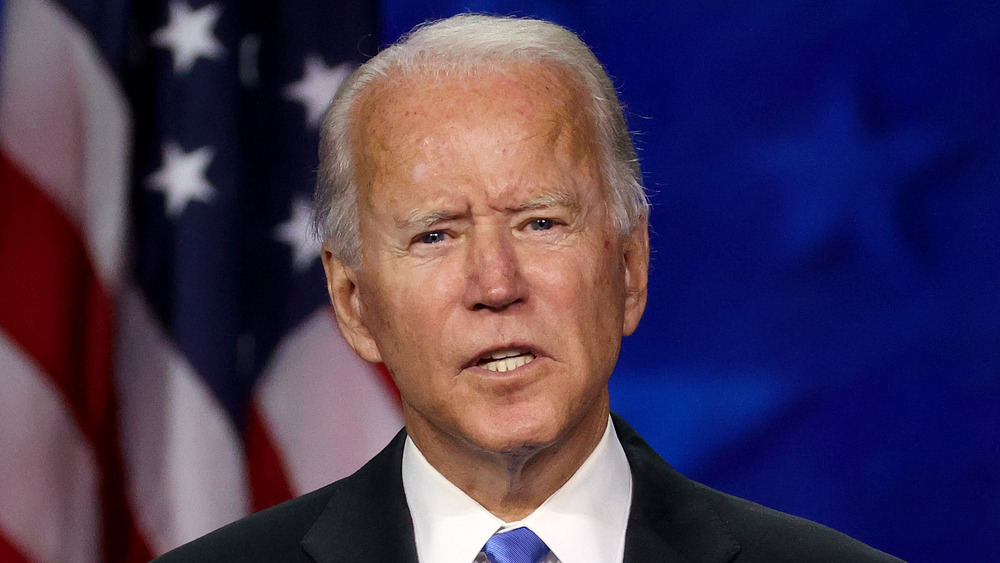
(607, 244)
(419, 172)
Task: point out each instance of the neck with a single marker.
(511, 485)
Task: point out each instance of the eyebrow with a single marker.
(427, 219)
(418, 220)
(549, 201)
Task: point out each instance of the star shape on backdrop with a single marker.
(836, 175)
(317, 86)
(181, 177)
(189, 35)
(296, 233)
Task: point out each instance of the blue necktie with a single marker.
(519, 545)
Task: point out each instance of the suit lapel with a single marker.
(367, 518)
(669, 520)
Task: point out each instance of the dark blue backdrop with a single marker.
(822, 333)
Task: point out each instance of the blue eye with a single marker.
(432, 237)
(541, 224)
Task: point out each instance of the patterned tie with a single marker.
(519, 545)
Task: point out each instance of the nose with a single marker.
(494, 278)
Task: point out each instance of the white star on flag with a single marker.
(296, 233)
(181, 177)
(188, 35)
(316, 88)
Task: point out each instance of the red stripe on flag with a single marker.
(55, 308)
(9, 553)
(383, 372)
(380, 369)
(267, 475)
(390, 385)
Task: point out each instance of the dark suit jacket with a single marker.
(673, 519)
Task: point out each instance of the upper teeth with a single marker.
(500, 354)
(506, 361)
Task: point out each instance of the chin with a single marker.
(515, 432)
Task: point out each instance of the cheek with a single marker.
(409, 314)
(600, 295)
(381, 313)
(581, 286)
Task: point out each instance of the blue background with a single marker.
(822, 334)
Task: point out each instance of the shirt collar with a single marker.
(582, 522)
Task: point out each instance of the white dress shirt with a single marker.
(582, 522)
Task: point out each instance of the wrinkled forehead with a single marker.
(541, 98)
(528, 79)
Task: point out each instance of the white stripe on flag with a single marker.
(64, 120)
(326, 408)
(49, 500)
(183, 456)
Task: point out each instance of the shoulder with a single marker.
(701, 523)
(354, 505)
(273, 534)
(764, 534)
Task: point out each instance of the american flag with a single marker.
(168, 359)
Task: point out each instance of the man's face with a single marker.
(493, 283)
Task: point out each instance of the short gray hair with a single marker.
(469, 43)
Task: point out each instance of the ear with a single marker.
(342, 283)
(636, 257)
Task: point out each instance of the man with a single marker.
(485, 236)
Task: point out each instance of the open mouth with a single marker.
(505, 360)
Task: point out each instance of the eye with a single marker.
(541, 224)
(432, 237)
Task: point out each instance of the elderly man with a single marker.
(486, 237)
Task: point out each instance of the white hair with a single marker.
(468, 44)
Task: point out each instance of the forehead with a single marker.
(429, 116)
(528, 87)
